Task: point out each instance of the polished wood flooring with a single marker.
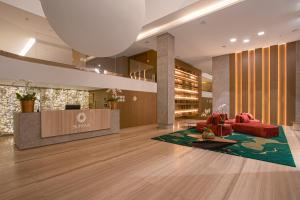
(130, 165)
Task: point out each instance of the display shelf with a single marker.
(186, 92)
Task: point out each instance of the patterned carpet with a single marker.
(274, 150)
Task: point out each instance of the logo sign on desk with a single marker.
(81, 119)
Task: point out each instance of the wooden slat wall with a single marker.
(245, 81)
(238, 80)
(263, 82)
(258, 84)
(281, 85)
(274, 85)
(266, 85)
(232, 85)
(251, 82)
(291, 82)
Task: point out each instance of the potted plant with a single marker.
(208, 134)
(114, 98)
(27, 99)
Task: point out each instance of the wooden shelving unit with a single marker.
(186, 92)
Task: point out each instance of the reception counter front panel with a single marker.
(53, 127)
(64, 122)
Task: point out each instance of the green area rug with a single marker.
(274, 150)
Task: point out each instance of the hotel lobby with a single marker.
(150, 99)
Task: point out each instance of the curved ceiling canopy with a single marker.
(100, 28)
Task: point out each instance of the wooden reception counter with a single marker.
(52, 127)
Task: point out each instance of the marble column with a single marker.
(165, 80)
(221, 90)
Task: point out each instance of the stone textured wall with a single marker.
(221, 92)
(48, 99)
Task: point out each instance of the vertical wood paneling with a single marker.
(258, 84)
(238, 83)
(274, 85)
(291, 82)
(251, 82)
(245, 81)
(266, 85)
(232, 86)
(281, 84)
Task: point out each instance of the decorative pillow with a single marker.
(238, 118)
(244, 119)
(250, 116)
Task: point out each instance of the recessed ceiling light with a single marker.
(260, 33)
(233, 40)
(99, 65)
(246, 40)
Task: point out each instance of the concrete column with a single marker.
(165, 80)
(221, 90)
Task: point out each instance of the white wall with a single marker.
(13, 39)
(51, 76)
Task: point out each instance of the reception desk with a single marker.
(52, 127)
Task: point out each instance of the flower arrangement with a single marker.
(114, 95)
(114, 98)
(221, 108)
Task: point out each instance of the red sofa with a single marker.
(243, 123)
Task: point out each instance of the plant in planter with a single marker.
(208, 134)
(114, 98)
(27, 99)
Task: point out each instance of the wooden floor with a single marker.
(132, 166)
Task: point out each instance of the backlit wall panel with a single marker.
(48, 99)
(262, 82)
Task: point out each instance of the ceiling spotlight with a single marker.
(246, 41)
(97, 70)
(99, 65)
(261, 33)
(233, 40)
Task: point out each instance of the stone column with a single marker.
(221, 90)
(165, 80)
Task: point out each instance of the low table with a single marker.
(215, 143)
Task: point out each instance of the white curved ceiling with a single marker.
(155, 9)
(199, 40)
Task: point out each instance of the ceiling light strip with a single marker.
(27, 46)
(218, 5)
